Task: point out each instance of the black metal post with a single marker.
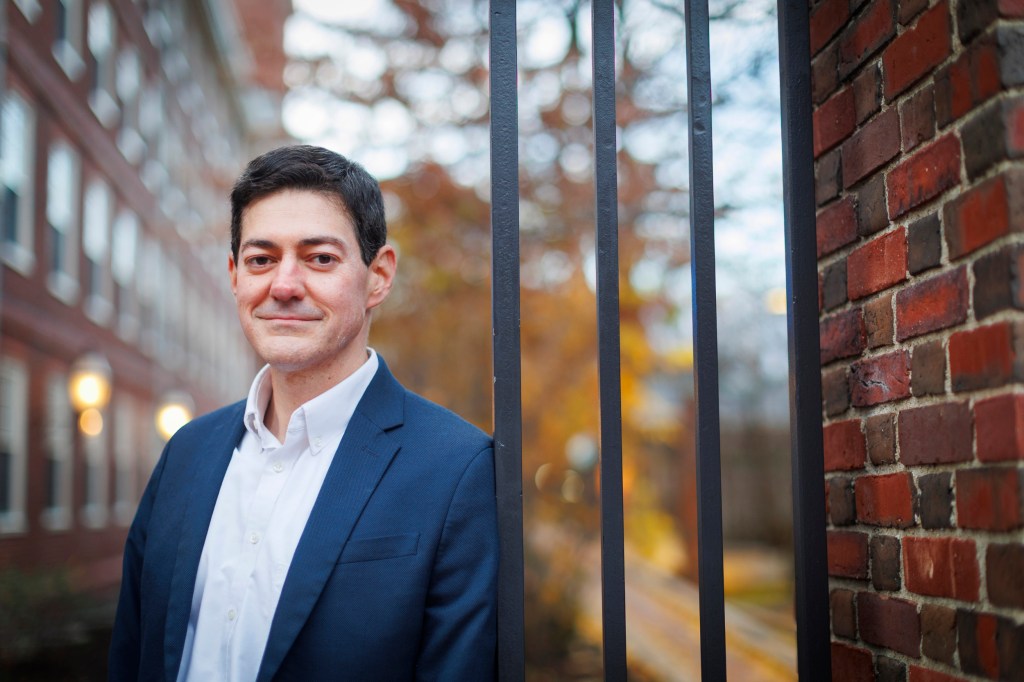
(705, 352)
(811, 567)
(505, 326)
(613, 572)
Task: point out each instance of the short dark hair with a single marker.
(305, 167)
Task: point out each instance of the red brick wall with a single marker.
(919, 166)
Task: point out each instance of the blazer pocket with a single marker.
(385, 547)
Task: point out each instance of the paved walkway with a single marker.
(663, 628)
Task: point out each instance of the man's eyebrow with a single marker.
(308, 241)
(258, 244)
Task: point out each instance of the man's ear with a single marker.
(381, 276)
(233, 273)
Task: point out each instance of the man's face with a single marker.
(304, 294)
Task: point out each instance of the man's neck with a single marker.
(291, 390)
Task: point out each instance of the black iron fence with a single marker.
(811, 587)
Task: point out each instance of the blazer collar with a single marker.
(365, 452)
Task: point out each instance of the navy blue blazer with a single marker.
(394, 576)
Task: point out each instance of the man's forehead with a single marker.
(295, 205)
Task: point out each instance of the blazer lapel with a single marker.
(365, 452)
(200, 497)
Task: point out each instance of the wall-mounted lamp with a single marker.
(89, 391)
(175, 410)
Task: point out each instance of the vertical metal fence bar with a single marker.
(613, 574)
(810, 565)
(705, 357)
(505, 326)
(606, 207)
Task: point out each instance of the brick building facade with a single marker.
(124, 123)
(918, 143)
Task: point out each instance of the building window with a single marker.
(101, 56)
(62, 221)
(13, 444)
(148, 287)
(96, 244)
(129, 76)
(126, 453)
(59, 443)
(67, 39)
(30, 8)
(123, 257)
(94, 512)
(17, 126)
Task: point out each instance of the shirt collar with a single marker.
(325, 417)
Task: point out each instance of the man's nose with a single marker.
(288, 280)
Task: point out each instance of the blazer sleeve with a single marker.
(125, 644)
(460, 625)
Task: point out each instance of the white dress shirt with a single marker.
(264, 502)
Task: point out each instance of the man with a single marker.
(333, 525)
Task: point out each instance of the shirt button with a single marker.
(232, 614)
(254, 538)
(317, 442)
(278, 467)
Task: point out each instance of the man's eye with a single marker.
(324, 259)
(259, 261)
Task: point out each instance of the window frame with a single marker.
(63, 216)
(20, 253)
(14, 379)
(59, 440)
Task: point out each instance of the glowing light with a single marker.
(91, 422)
(89, 383)
(174, 412)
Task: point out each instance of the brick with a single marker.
(1004, 574)
(872, 212)
(935, 500)
(867, 93)
(1000, 426)
(917, 51)
(836, 226)
(917, 118)
(843, 445)
(935, 434)
(885, 500)
(984, 140)
(976, 637)
(1013, 124)
(890, 670)
(835, 391)
(919, 674)
(850, 664)
(909, 9)
(974, 17)
(880, 379)
(941, 567)
(840, 501)
(827, 180)
(1010, 40)
(881, 439)
(1011, 9)
(844, 616)
(987, 498)
(826, 20)
(938, 632)
(885, 562)
(842, 335)
(870, 31)
(833, 287)
(998, 284)
(928, 369)
(977, 217)
(825, 74)
(834, 120)
(878, 321)
(981, 358)
(1010, 647)
(871, 147)
(847, 554)
(877, 265)
(924, 244)
(936, 303)
(970, 80)
(923, 176)
(889, 622)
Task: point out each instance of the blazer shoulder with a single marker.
(448, 426)
(228, 417)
